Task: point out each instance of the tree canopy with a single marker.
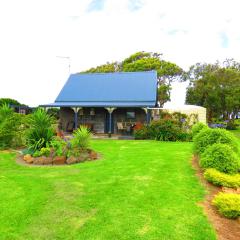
(9, 101)
(146, 61)
(216, 87)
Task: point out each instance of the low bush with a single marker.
(222, 179)
(184, 136)
(45, 151)
(37, 153)
(231, 125)
(59, 146)
(196, 128)
(164, 130)
(228, 204)
(207, 137)
(141, 133)
(221, 157)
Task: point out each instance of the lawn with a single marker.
(236, 132)
(138, 190)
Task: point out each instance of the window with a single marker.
(130, 115)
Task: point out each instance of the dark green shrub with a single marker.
(141, 133)
(40, 131)
(228, 204)
(167, 130)
(209, 136)
(12, 127)
(184, 136)
(164, 130)
(221, 157)
(196, 128)
(222, 179)
(231, 125)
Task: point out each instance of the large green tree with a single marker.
(216, 87)
(167, 71)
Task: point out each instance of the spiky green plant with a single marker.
(40, 131)
(81, 138)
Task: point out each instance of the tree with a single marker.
(9, 101)
(216, 87)
(147, 61)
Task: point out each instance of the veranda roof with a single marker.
(122, 89)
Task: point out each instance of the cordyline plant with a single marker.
(40, 131)
(81, 138)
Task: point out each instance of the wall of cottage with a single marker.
(98, 118)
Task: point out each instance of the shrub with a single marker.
(164, 130)
(209, 136)
(59, 146)
(11, 128)
(228, 204)
(196, 128)
(231, 125)
(81, 138)
(45, 151)
(37, 153)
(141, 133)
(40, 131)
(221, 179)
(184, 136)
(221, 157)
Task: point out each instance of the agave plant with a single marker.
(40, 131)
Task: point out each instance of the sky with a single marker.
(36, 36)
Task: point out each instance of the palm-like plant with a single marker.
(81, 138)
(40, 131)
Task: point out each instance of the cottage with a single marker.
(107, 102)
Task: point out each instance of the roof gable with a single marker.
(108, 88)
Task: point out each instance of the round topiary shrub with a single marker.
(207, 137)
(221, 157)
(196, 128)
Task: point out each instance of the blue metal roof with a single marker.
(109, 89)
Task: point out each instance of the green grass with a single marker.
(138, 190)
(236, 132)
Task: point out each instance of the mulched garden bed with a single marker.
(226, 229)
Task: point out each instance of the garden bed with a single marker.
(87, 155)
(225, 228)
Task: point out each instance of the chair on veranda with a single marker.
(120, 127)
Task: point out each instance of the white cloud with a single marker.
(34, 32)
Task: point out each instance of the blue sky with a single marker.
(92, 32)
(96, 5)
